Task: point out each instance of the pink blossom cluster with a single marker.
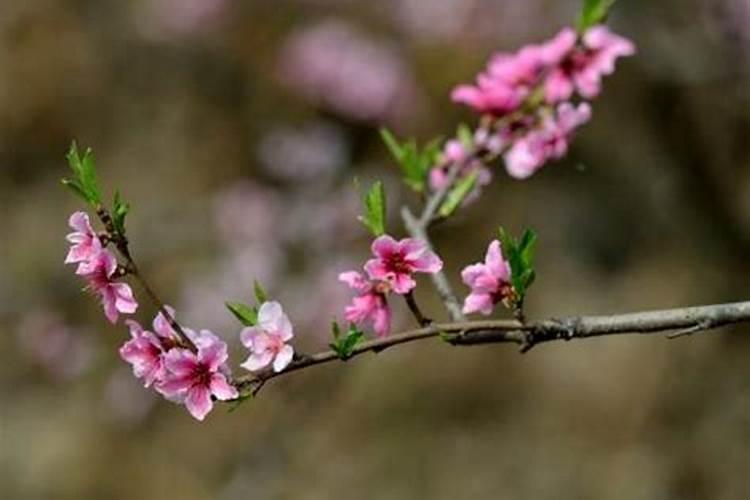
(197, 378)
(455, 152)
(391, 270)
(194, 379)
(98, 266)
(489, 282)
(194, 375)
(529, 94)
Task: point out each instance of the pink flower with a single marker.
(549, 141)
(195, 377)
(506, 83)
(583, 66)
(116, 297)
(395, 262)
(454, 152)
(145, 353)
(489, 281)
(85, 242)
(370, 305)
(267, 340)
(145, 350)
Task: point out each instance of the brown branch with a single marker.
(692, 319)
(120, 242)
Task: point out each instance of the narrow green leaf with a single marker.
(236, 403)
(593, 12)
(392, 144)
(88, 176)
(260, 294)
(335, 330)
(85, 173)
(245, 314)
(74, 186)
(527, 246)
(375, 209)
(119, 213)
(458, 194)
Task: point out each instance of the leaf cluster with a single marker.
(344, 343)
(247, 314)
(520, 256)
(415, 163)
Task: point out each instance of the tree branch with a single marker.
(692, 319)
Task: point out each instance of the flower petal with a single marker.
(283, 358)
(222, 389)
(257, 361)
(198, 401)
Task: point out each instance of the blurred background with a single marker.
(236, 128)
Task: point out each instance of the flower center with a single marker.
(202, 375)
(397, 264)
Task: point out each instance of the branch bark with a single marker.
(527, 335)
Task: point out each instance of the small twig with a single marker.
(121, 243)
(414, 308)
(439, 279)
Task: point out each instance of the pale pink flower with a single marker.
(549, 141)
(370, 306)
(396, 261)
(584, 65)
(489, 281)
(267, 341)
(145, 354)
(195, 377)
(116, 297)
(85, 242)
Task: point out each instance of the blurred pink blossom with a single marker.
(581, 68)
(161, 19)
(549, 141)
(310, 153)
(62, 350)
(336, 67)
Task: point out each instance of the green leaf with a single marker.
(335, 330)
(242, 398)
(414, 164)
(84, 170)
(458, 194)
(76, 188)
(344, 346)
(246, 315)
(375, 207)
(520, 257)
(260, 294)
(392, 144)
(119, 213)
(593, 12)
